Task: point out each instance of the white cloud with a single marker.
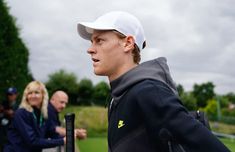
(197, 37)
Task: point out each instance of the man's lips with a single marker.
(95, 60)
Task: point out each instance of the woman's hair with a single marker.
(24, 102)
(135, 52)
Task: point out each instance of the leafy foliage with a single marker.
(203, 93)
(231, 97)
(100, 93)
(65, 81)
(211, 109)
(228, 112)
(187, 98)
(224, 102)
(14, 54)
(85, 91)
(189, 101)
(180, 89)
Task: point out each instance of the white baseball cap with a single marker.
(122, 22)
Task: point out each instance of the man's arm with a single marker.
(60, 130)
(78, 133)
(163, 109)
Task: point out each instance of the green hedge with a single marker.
(92, 118)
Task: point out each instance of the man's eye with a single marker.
(99, 40)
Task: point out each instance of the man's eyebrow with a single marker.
(95, 37)
(98, 35)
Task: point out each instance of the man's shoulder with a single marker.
(51, 108)
(52, 113)
(149, 83)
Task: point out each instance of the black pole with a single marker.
(69, 119)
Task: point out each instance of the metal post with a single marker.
(218, 109)
(69, 119)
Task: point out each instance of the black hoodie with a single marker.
(145, 101)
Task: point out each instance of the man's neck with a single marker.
(121, 72)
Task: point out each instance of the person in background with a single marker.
(58, 102)
(27, 131)
(7, 110)
(145, 107)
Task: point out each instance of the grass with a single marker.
(222, 127)
(229, 143)
(99, 144)
(94, 144)
(92, 118)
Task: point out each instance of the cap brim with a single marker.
(86, 29)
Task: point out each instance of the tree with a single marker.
(189, 101)
(180, 89)
(203, 93)
(187, 98)
(85, 90)
(14, 54)
(65, 81)
(211, 109)
(100, 93)
(223, 100)
(231, 97)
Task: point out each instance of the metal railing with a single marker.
(231, 137)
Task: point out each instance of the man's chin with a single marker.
(99, 73)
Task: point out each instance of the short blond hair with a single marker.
(25, 104)
(135, 51)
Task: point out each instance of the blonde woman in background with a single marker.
(28, 130)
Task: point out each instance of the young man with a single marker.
(145, 109)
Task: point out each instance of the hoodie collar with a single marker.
(156, 69)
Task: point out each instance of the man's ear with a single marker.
(129, 43)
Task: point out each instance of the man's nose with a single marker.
(91, 50)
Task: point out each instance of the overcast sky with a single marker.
(197, 37)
